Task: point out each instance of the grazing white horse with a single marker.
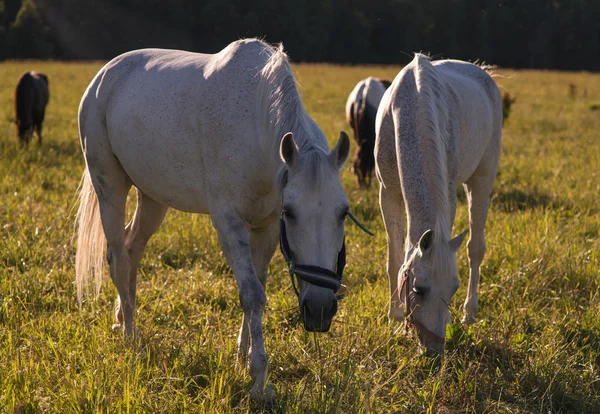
(361, 111)
(438, 126)
(224, 134)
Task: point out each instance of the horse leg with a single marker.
(356, 170)
(234, 238)
(146, 220)
(263, 242)
(478, 189)
(112, 185)
(392, 209)
(38, 118)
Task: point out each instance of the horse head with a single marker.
(314, 208)
(428, 280)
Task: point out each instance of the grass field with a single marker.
(535, 348)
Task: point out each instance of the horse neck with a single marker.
(425, 156)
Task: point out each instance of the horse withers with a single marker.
(438, 125)
(226, 135)
(361, 110)
(31, 98)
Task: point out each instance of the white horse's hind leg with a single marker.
(392, 209)
(112, 185)
(263, 243)
(478, 189)
(234, 238)
(146, 220)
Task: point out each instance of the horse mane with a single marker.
(434, 131)
(280, 100)
(490, 69)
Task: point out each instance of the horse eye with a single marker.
(289, 215)
(419, 291)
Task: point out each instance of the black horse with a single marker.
(361, 111)
(31, 98)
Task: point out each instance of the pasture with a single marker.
(535, 348)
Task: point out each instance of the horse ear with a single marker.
(288, 151)
(339, 154)
(425, 241)
(456, 242)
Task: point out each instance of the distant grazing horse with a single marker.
(507, 102)
(361, 110)
(438, 126)
(31, 98)
(227, 135)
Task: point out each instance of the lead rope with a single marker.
(360, 226)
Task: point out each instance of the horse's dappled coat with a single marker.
(438, 126)
(210, 134)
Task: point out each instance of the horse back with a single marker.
(31, 94)
(473, 86)
(42, 92)
(181, 123)
(478, 110)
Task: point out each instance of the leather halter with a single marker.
(314, 275)
(405, 286)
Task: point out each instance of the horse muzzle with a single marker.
(317, 313)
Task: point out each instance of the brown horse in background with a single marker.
(31, 98)
(361, 111)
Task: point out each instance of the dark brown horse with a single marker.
(31, 98)
(361, 111)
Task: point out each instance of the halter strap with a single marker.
(314, 275)
(410, 322)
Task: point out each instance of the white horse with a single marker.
(361, 110)
(224, 134)
(438, 125)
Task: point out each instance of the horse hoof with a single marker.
(262, 395)
(117, 327)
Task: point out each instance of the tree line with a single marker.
(554, 34)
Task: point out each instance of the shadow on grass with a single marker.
(511, 200)
(518, 200)
(542, 383)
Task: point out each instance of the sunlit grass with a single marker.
(536, 347)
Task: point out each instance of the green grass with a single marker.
(536, 347)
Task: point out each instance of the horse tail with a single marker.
(91, 242)
(433, 128)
